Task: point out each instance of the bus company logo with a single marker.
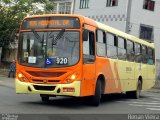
(45, 81)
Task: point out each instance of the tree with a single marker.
(11, 14)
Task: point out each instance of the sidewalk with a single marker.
(4, 80)
(7, 82)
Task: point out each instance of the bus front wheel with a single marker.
(97, 96)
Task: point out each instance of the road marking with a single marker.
(143, 105)
(148, 103)
(154, 101)
(155, 98)
(158, 109)
(151, 96)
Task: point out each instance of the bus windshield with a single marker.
(49, 48)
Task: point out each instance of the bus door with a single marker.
(88, 61)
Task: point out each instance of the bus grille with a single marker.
(48, 88)
(45, 74)
(44, 81)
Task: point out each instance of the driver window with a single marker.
(89, 46)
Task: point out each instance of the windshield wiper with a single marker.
(60, 34)
(36, 35)
(41, 40)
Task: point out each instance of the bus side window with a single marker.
(100, 44)
(130, 51)
(150, 56)
(144, 54)
(91, 43)
(111, 45)
(121, 48)
(138, 53)
(89, 47)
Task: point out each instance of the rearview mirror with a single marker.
(85, 35)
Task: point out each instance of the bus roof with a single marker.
(123, 34)
(101, 26)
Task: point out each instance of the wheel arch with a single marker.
(101, 77)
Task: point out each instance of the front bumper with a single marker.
(28, 88)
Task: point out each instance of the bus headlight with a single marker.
(21, 77)
(72, 77)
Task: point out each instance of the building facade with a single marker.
(136, 17)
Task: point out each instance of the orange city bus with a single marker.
(72, 55)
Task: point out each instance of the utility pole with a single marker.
(128, 12)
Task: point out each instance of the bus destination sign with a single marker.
(50, 22)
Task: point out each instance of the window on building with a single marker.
(146, 32)
(84, 4)
(111, 3)
(65, 8)
(149, 5)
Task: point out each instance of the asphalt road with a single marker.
(10, 102)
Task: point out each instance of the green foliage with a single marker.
(13, 11)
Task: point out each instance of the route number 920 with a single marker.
(61, 61)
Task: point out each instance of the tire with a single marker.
(135, 94)
(97, 97)
(44, 98)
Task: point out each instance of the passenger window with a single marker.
(101, 46)
(144, 54)
(111, 45)
(150, 56)
(121, 48)
(138, 51)
(130, 51)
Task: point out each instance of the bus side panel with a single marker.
(88, 80)
(150, 81)
(109, 68)
(130, 71)
(123, 74)
(138, 73)
(143, 73)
